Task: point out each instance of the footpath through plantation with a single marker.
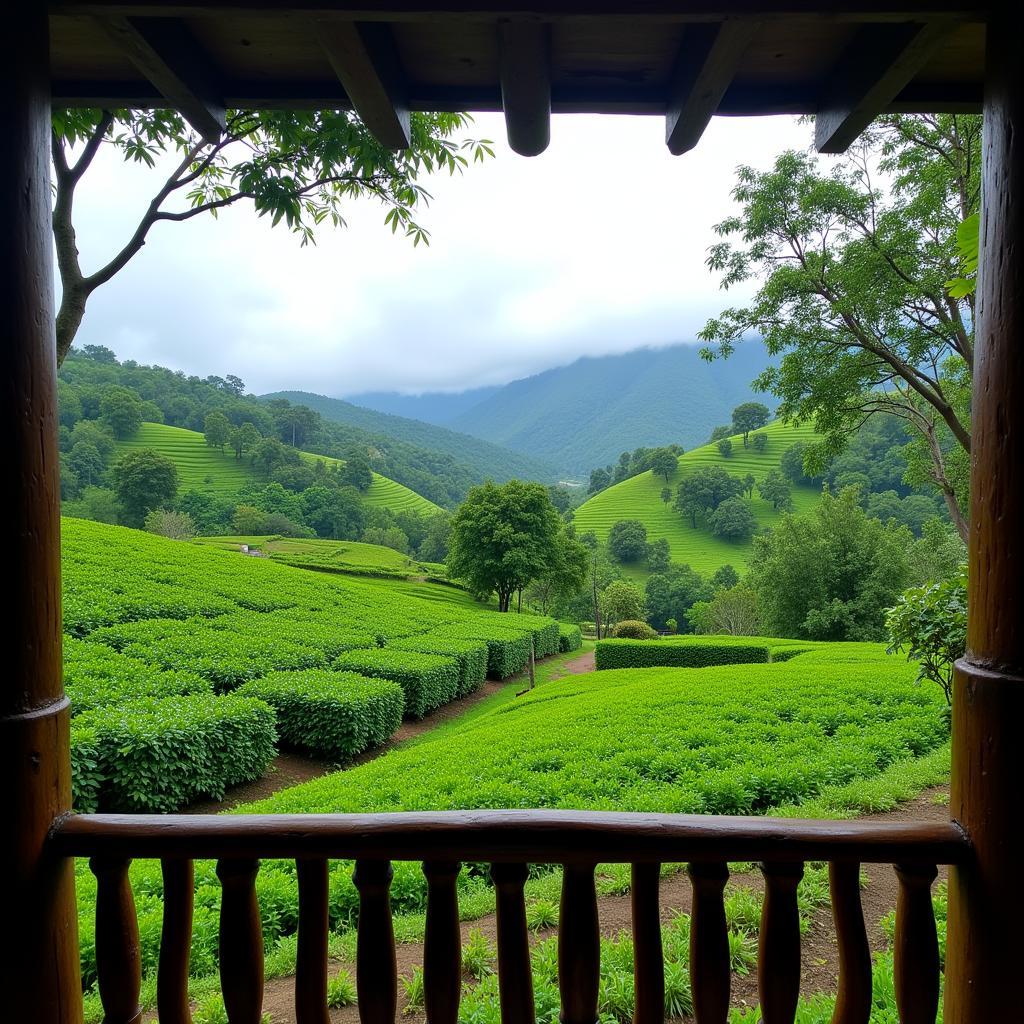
(187, 667)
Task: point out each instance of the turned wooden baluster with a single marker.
(648, 960)
(175, 942)
(778, 946)
(376, 967)
(442, 945)
(515, 979)
(579, 945)
(916, 961)
(709, 943)
(311, 955)
(853, 998)
(118, 967)
(241, 941)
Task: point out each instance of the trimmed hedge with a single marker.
(330, 714)
(159, 755)
(679, 652)
(508, 651)
(570, 637)
(428, 680)
(470, 654)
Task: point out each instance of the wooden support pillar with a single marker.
(986, 900)
(39, 974)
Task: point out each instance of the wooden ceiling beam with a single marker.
(364, 58)
(709, 56)
(168, 55)
(870, 74)
(524, 68)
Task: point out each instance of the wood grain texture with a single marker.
(442, 944)
(241, 940)
(172, 1001)
(853, 997)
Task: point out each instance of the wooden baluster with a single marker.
(442, 945)
(376, 967)
(916, 949)
(579, 945)
(515, 978)
(241, 941)
(778, 946)
(709, 943)
(175, 942)
(648, 960)
(118, 967)
(853, 999)
(311, 955)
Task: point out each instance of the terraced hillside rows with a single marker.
(640, 498)
(203, 468)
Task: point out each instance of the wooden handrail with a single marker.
(510, 841)
(564, 837)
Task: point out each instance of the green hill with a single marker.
(203, 468)
(640, 498)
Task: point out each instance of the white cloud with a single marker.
(597, 246)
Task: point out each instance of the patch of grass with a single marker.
(479, 955)
(341, 990)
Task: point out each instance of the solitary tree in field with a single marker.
(747, 417)
(725, 448)
(857, 294)
(666, 495)
(748, 485)
(664, 462)
(503, 537)
(299, 167)
(144, 480)
(216, 429)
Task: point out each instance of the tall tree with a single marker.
(503, 537)
(664, 462)
(747, 417)
(300, 167)
(144, 480)
(853, 291)
(216, 429)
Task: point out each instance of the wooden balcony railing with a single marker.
(509, 840)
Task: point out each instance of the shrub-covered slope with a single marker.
(203, 468)
(639, 497)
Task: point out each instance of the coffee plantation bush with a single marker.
(160, 754)
(330, 714)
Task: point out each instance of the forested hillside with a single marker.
(584, 415)
(484, 459)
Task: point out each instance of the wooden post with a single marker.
(39, 974)
(986, 901)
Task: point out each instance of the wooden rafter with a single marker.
(165, 52)
(874, 68)
(524, 50)
(366, 62)
(708, 58)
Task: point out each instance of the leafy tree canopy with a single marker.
(627, 540)
(747, 417)
(733, 520)
(144, 480)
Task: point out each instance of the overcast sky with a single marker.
(597, 246)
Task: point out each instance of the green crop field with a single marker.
(203, 468)
(640, 498)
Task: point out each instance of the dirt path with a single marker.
(819, 954)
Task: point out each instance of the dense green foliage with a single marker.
(470, 655)
(680, 652)
(634, 629)
(330, 714)
(627, 540)
(427, 680)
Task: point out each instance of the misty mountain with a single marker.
(438, 407)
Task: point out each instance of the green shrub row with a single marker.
(161, 754)
(428, 680)
(570, 637)
(677, 652)
(471, 655)
(508, 651)
(330, 714)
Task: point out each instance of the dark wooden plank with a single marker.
(442, 945)
(168, 55)
(364, 58)
(916, 947)
(524, 62)
(172, 1001)
(515, 978)
(41, 960)
(376, 966)
(118, 963)
(709, 944)
(708, 58)
(853, 997)
(648, 959)
(579, 946)
(778, 944)
(511, 836)
(241, 941)
(873, 70)
(311, 954)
